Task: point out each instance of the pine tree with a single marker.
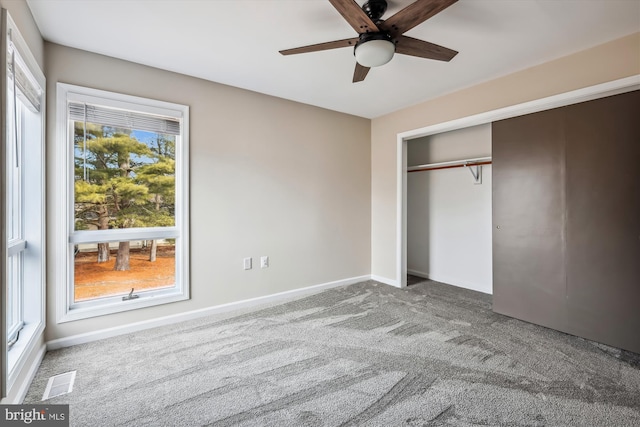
(159, 178)
(122, 183)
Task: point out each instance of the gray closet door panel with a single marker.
(528, 218)
(603, 220)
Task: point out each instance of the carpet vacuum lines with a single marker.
(365, 354)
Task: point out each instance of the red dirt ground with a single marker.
(99, 280)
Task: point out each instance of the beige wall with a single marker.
(268, 177)
(21, 15)
(610, 61)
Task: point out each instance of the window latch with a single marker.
(130, 296)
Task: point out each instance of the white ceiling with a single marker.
(236, 42)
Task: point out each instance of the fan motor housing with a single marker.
(375, 9)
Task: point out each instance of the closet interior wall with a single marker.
(448, 216)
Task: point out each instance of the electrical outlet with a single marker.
(264, 262)
(247, 264)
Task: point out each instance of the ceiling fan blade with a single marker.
(360, 73)
(420, 48)
(321, 46)
(354, 15)
(414, 14)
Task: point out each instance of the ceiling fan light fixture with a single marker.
(379, 39)
(374, 49)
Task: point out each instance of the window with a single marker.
(126, 211)
(22, 166)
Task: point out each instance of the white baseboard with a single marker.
(23, 387)
(418, 273)
(385, 280)
(195, 314)
(452, 281)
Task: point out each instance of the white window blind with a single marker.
(28, 91)
(101, 115)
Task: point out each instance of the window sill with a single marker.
(20, 351)
(116, 305)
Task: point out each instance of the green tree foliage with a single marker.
(121, 182)
(159, 178)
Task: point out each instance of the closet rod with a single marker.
(432, 168)
(454, 164)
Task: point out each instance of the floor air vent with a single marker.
(59, 385)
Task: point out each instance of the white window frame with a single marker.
(30, 245)
(16, 244)
(67, 236)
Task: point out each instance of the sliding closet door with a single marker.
(566, 218)
(603, 220)
(528, 218)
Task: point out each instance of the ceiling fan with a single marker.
(379, 39)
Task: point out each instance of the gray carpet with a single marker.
(361, 355)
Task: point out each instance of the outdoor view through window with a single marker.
(123, 179)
